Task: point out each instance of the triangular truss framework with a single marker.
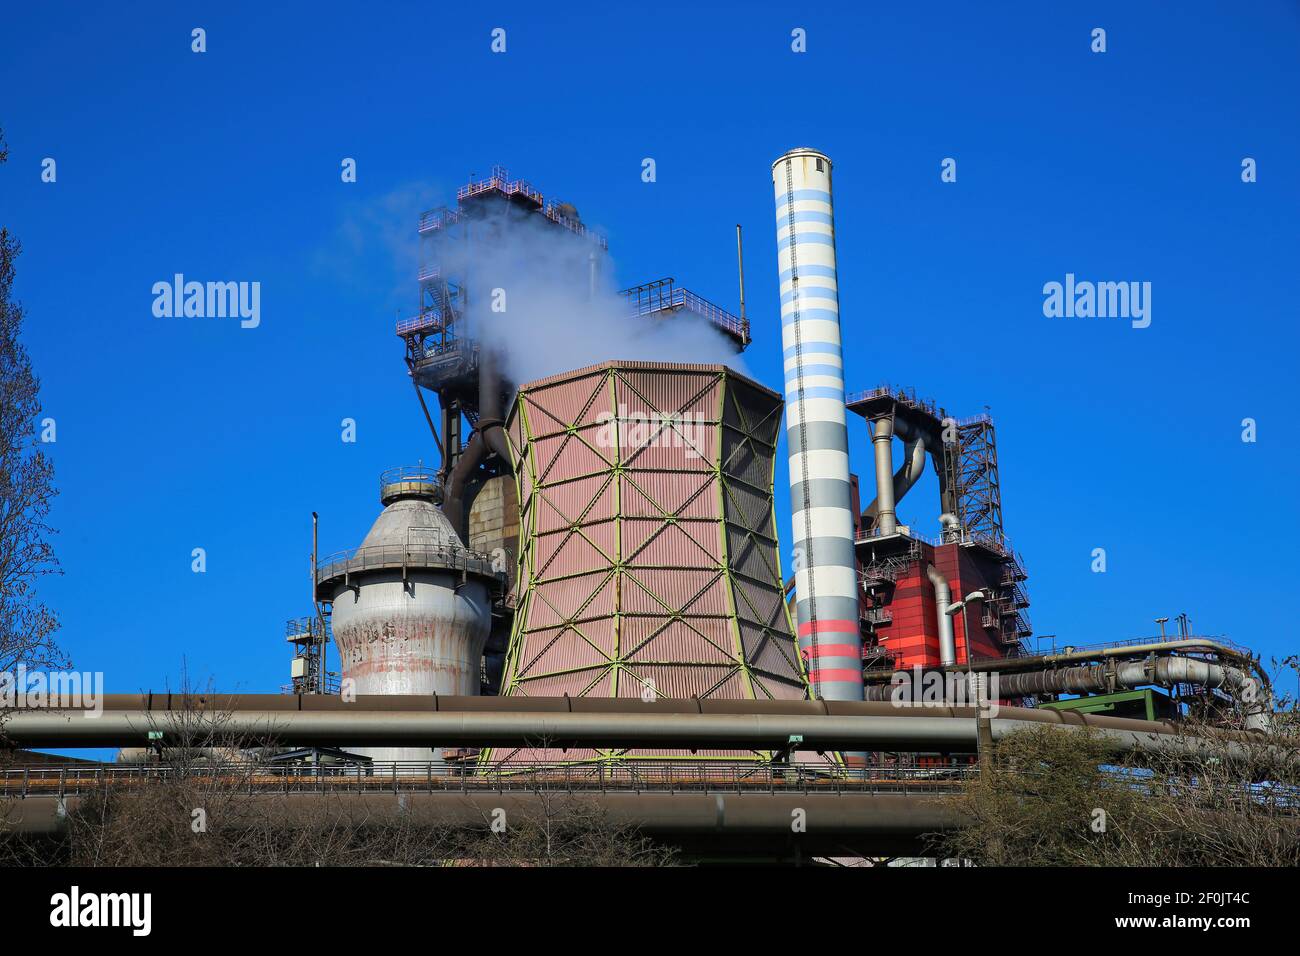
(648, 559)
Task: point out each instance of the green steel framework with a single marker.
(741, 429)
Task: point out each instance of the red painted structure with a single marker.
(902, 617)
(899, 615)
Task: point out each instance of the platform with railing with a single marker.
(858, 400)
(665, 296)
(410, 480)
(416, 554)
(518, 191)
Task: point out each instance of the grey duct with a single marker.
(865, 726)
(942, 598)
(1127, 651)
(490, 407)
(488, 437)
(878, 726)
(1113, 675)
(915, 446)
(882, 437)
(453, 499)
(1129, 675)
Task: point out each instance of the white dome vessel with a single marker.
(412, 606)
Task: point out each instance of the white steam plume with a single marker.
(531, 297)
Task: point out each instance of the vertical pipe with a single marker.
(882, 445)
(320, 616)
(825, 565)
(942, 598)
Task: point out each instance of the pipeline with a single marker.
(942, 598)
(1105, 652)
(453, 498)
(1107, 677)
(488, 438)
(1164, 672)
(915, 447)
(491, 414)
(882, 441)
(128, 720)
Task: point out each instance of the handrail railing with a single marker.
(45, 780)
(426, 319)
(399, 474)
(664, 296)
(1056, 648)
(430, 776)
(452, 557)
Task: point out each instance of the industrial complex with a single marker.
(588, 587)
(608, 531)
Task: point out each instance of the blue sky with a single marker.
(183, 433)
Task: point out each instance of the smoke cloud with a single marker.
(533, 298)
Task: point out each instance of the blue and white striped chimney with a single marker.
(825, 569)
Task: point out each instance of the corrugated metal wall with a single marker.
(648, 552)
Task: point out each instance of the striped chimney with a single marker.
(825, 568)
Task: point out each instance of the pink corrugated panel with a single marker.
(672, 455)
(564, 456)
(680, 682)
(569, 595)
(583, 499)
(650, 543)
(692, 393)
(568, 552)
(698, 641)
(565, 403)
(569, 651)
(674, 495)
(686, 590)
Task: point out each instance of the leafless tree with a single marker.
(1055, 798)
(202, 799)
(27, 626)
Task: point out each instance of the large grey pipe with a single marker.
(915, 446)
(1129, 675)
(882, 437)
(889, 727)
(905, 477)
(490, 406)
(942, 598)
(490, 437)
(453, 499)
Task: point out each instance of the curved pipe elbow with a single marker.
(942, 598)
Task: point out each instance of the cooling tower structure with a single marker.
(411, 607)
(648, 552)
(825, 568)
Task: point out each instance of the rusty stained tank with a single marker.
(411, 606)
(648, 549)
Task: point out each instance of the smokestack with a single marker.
(825, 567)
